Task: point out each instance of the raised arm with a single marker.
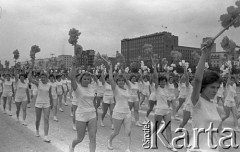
(155, 74)
(186, 76)
(73, 78)
(16, 75)
(112, 82)
(31, 79)
(200, 71)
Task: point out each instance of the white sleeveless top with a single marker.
(107, 89)
(64, 84)
(121, 97)
(21, 89)
(100, 88)
(133, 89)
(182, 89)
(59, 86)
(171, 89)
(85, 97)
(145, 87)
(203, 113)
(53, 88)
(43, 93)
(7, 85)
(230, 93)
(162, 97)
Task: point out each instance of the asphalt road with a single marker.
(16, 137)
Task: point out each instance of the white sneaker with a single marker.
(109, 145)
(60, 109)
(138, 124)
(46, 139)
(9, 113)
(37, 134)
(55, 118)
(74, 127)
(102, 124)
(24, 123)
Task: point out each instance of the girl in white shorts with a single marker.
(172, 98)
(182, 92)
(53, 85)
(187, 106)
(145, 88)
(134, 98)
(59, 91)
(65, 89)
(162, 110)
(86, 112)
(152, 98)
(43, 103)
(34, 89)
(7, 93)
(21, 96)
(230, 104)
(1, 89)
(108, 99)
(121, 112)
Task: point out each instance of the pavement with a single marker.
(16, 137)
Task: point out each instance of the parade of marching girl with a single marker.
(153, 95)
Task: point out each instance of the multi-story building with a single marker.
(163, 43)
(87, 58)
(64, 61)
(219, 58)
(187, 53)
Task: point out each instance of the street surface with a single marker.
(14, 137)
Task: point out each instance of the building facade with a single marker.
(87, 58)
(187, 53)
(64, 61)
(163, 43)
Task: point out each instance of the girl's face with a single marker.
(121, 83)
(44, 79)
(22, 78)
(51, 79)
(145, 79)
(133, 80)
(8, 77)
(232, 80)
(162, 83)
(170, 80)
(86, 80)
(63, 77)
(183, 79)
(211, 90)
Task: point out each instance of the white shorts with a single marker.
(183, 96)
(85, 116)
(228, 103)
(100, 94)
(74, 102)
(7, 94)
(108, 99)
(145, 93)
(42, 105)
(172, 97)
(162, 112)
(187, 107)
(152, 97)
(121, 116)
(133, 99)
(21, 99)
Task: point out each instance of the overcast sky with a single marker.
(104, 23)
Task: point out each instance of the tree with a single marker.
(6, 64)
(120, 58)
(16, 55)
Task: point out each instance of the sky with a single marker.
(104, 23)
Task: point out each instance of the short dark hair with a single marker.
(58, 76)
(120, 76)
(23, 75)
(210, 77)
(51, 76)
(162, 78)
(132, 76)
